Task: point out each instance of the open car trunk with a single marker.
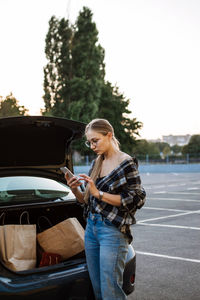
(55, 213)
(34, 148)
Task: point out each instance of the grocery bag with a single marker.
(2, 220)
(18, 245)
(65, 238)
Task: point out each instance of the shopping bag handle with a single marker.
(27, 215)
(3, 217)
(43, 217)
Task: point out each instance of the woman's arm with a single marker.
(74, 183)
(79, 195)
(109, 198)
(132, 195)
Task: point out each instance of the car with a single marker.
(32, 151)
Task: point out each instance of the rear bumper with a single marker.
(63, 284)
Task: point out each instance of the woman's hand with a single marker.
(91, 185)
(73, 182)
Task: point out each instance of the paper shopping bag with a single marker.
(18, 246)
(65, 238)
(2, 219)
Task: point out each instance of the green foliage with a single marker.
(88, 69)
(144, 147)
(153, 149)
(193, 147)
(162, 145)
(166, 151)
(176, 149)
(74, 74)
(57, 73)
(114, 107)
(9, 106)
(74, 84)
(162, 149)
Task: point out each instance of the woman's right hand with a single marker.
(73, 182)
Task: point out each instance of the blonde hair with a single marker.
(101, 126)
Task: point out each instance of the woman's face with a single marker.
(99, 143)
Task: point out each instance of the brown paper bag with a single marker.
(65, 238)
(18, 246)
(2, 219)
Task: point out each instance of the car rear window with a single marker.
(28, 189)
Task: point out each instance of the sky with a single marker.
(152, 53)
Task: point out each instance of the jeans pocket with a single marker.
(107, 222)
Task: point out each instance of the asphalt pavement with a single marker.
(167, 238)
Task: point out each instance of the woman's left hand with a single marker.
(92, 187)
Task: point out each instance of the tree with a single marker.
(166, 151)
(144, 147)
(153, 149)
(141, 147)
(74, 84)
(74, 74)
(9, 106)
(193, 147)
(57, 73)
(114, 107)
(87, 68)
(162, 145)
(176, 149)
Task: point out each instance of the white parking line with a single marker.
(173, 199)
(171, 216)
(173, 185)
(177, 193)
(167, 256)
(169, 226)
(154, 187)
(167, 209)
(159, 186)
(170, 185)
(195, 182)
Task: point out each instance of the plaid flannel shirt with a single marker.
(125, 181)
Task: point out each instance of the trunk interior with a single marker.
(55, 214)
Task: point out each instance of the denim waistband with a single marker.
(95, 216)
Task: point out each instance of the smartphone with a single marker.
(66, 170)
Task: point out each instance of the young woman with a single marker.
(113, 193)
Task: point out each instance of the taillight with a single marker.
(132, 279)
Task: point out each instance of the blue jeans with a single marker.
(106, 250)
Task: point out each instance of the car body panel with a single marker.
(36, 141)
(71, 283)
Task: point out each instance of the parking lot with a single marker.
(167, 238)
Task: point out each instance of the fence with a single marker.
(169, 159)
(188, 158)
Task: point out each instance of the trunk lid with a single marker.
(37, 141)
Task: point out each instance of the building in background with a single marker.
(180, 140)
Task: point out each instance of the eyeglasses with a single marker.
(88, 144)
